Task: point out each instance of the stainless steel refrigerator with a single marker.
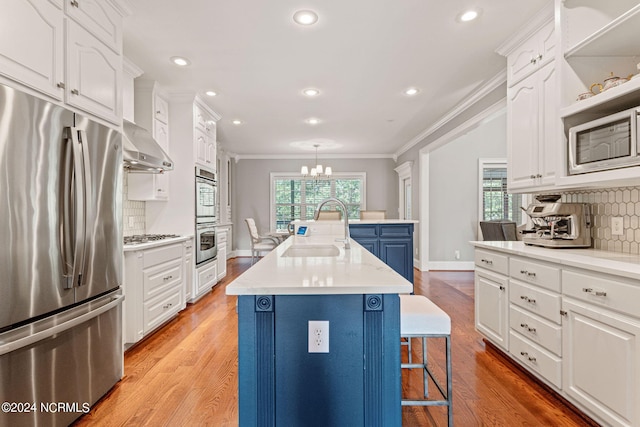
(60, 261)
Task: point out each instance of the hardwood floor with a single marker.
(186, 375)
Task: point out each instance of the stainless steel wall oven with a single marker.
(206, 247)
(206, 195)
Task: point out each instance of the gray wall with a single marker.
(413, 154)
(453, 188)
(251, 188)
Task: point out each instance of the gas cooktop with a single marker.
(144, 238)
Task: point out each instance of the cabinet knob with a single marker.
(532, 176)
(533, 60)
(538, 175)
(75, 91)
(74, 3)
(501, 288)
(61, 85)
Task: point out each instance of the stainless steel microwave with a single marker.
(610, 142)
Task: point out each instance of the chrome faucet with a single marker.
(345, 214)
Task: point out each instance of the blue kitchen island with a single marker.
(286, 375)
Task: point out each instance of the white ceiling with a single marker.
(361, 55)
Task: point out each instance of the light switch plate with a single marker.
(318, 336)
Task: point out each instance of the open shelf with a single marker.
(618, 38)
(625, 95)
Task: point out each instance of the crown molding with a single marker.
(492, 84)
(545, 15)
(309, 156)
(130, 68)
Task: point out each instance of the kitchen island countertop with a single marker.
(353, 271)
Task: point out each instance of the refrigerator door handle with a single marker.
(9, 346)
(88, 214)
(77, 200)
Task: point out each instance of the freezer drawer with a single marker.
(71, 359)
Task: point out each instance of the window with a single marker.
(495, 202)
(293, 197)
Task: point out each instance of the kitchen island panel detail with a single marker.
(356, 383)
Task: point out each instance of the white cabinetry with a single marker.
(206, 278)
(532, 54)
(602, 346)
(152, 113)
(535, 324)
(574, 327)
(189, 268)
(74, 57)
(491, 297)
(154, 288)
(597, 38)
(205, 136)
(222, 236)
(532, 131)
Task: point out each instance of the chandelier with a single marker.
(317, 171)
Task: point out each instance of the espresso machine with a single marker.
(557, 224)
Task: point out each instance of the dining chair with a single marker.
(259, 243)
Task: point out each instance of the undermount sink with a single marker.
(312, 251)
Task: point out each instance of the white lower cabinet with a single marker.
(206, 278)
(576, 330)
(153, 287)
(221, 242)
(491, 307)
(188, 269)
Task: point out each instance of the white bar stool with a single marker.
(421, 318)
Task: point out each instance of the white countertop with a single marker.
(353, 271)
(155, 243)
(616, 263)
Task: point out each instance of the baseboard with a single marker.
(242, 252)
(451, 265)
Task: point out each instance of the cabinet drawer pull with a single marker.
(531, 359)
(523, 271)
(527, 299)
(533, 60)
(501, 288)
(75, 92)
(167, 306)
(539, 57)
(596, 293)
(525, 326)
(531, 274)
(74, 3)
(532, 176)
(167, 277)
(524, 353)
(487, 261)
(61, 85)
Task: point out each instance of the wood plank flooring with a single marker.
(186, 375)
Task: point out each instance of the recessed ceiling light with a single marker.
(411, 91)
(180, 61)
(468, 15)
(311, 92)
(305, 17)
(313, 121)
(237, 122)
(211, 93)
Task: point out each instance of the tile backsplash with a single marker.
(133, 212)
(606, 204)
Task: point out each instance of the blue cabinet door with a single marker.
(392, 243)
(397, 255)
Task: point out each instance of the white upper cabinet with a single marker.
(531, 55)
(94, 74)
(33, 54)
(532, 131)
(98, 18)
(204, 136)
(73, 57)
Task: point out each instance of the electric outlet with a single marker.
(456, 254)
(416, 251)
(318, 336)
(617, 226)
(132, 221)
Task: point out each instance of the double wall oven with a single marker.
(206, 208)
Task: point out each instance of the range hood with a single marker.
(141, 152)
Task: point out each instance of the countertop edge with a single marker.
(156, 243)
(612, 263)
